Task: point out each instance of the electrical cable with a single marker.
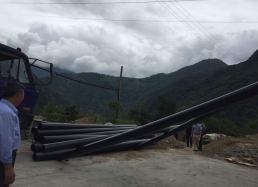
(208, 38)
(216, 40)
(132, 20)
(86, 83)
(190, 27)
(89, 3)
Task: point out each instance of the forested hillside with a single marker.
(189, 86)
(134, 91)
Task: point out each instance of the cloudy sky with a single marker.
(146, 37)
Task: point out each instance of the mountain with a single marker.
(46, 94)
(221, 82)
(134, 91)
(41, 73)
(189, 86)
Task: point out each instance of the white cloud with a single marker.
(142, 48)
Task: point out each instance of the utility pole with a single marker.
(120, 83)
(119, 89)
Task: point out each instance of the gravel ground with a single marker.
(149, 167)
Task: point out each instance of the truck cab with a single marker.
(15, 67)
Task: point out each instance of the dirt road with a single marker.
(152, 168)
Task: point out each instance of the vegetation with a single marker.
(222, 125)
(113, 109)
(54, 112)
(165, 107)
(139, 115)
(187, 87)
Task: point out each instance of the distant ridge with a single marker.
(189, 86)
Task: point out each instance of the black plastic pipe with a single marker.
(49, 156)
(133, 144)
(33, 129)
(51, 139)
(207, 107)
(36, 147)
(176, 130)
(167, 129)
(39, 137)
(109, 132)
(55, 155)
(49, 126)
(77, 131)
(54, 139)
(51, 147)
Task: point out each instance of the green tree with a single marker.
(222, 124)
(166, 107)
(71, 112)
(113, 109)
(139, 115)
(50, 111)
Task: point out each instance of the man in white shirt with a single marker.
(10, 139)
(196, 135)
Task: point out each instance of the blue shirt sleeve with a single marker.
(6, 137)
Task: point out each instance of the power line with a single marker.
(89, 3)
(189, 27)
(69, 78)
(216, 40)
(208, 38)
(129, 20)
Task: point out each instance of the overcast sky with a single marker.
(145, 38)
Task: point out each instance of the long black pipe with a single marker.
(54, 139)
(36, 147)
(76, 131)
(49, 156)
(109, 132)
(176, 130)
(167, 129)
(33, 129)
(212, 105)
(51, 139)
(133, 144)
(49, 126)
(51, 147)
(39, 137)
(121, 146)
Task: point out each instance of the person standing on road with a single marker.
(203, 127)
(10, 139)
(196, 134)
(189, 140)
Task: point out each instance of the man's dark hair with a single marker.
(11, 88)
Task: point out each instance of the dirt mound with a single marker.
(168, 143)
(237, 150)
(85, 120)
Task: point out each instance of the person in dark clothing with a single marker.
(189, 140)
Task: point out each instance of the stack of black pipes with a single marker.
(55, 139)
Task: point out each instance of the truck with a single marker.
(15, 66)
